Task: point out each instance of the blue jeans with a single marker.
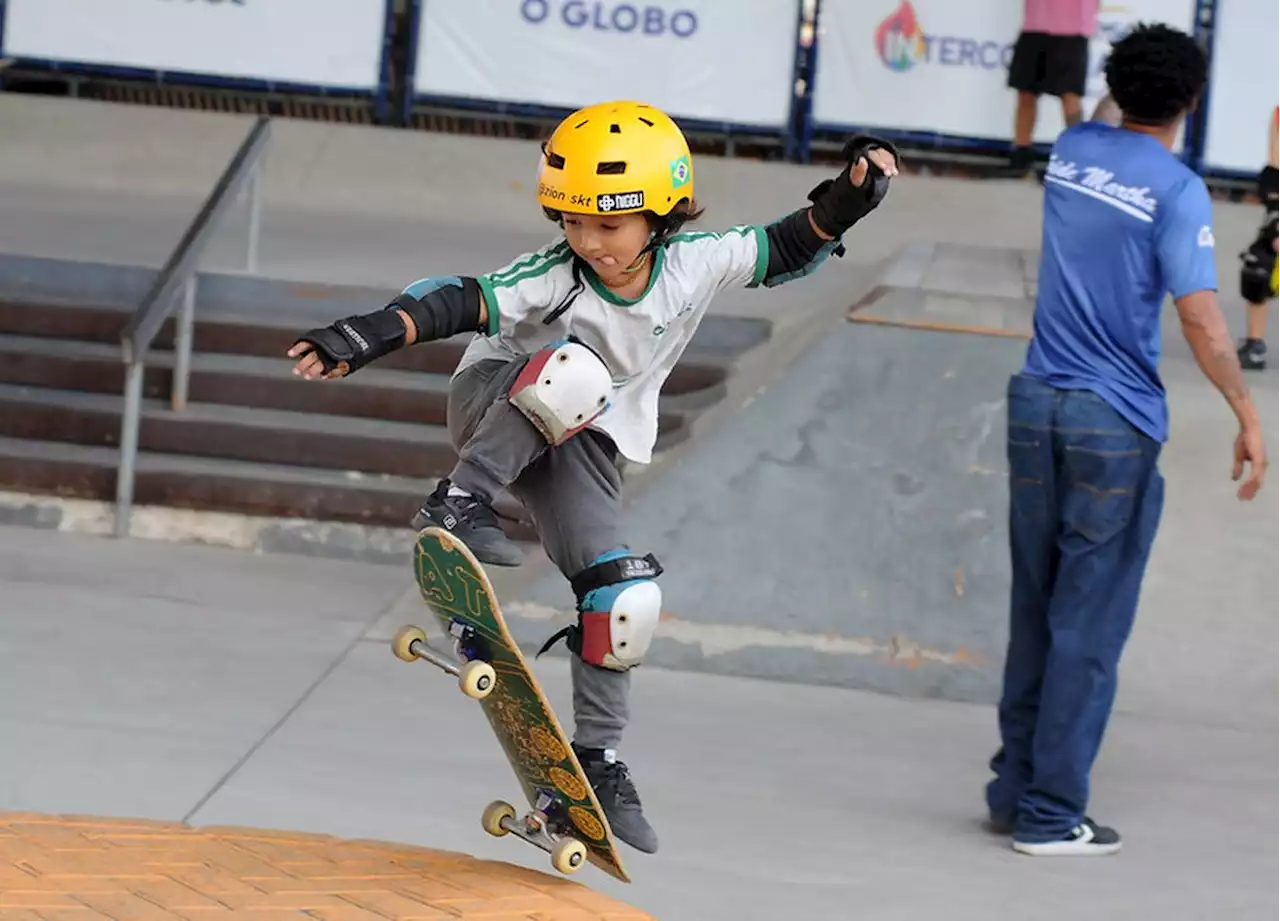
(1085, 497)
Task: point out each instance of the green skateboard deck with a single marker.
(491, 669)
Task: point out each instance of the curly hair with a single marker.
(1156, 73)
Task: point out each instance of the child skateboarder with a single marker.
(571, 346)
(1258, 261)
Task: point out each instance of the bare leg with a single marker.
(1256, 321)
(1072, 109)
(1024, 122)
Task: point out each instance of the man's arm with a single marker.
(1205, 330)
(1184, 250)
(1185, 254)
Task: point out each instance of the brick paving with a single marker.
(82, 868)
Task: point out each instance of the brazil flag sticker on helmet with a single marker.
(616, 158)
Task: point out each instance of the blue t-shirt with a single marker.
(1125, 223)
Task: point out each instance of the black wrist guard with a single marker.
(837, 203)
(356, 340)
(1268, 183)
(442, 307)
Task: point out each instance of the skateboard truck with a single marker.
(538, 826)
(475, 677)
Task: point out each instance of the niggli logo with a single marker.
(903, 44)
(620, 201)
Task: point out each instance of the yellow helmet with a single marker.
(615, 158)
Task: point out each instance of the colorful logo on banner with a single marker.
(902, 44)
(900, 40)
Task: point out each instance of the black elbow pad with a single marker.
(1268, 179)
(442, 307)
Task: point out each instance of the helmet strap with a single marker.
(640, 263)
(658, 238)
(649, 247)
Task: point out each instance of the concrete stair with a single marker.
(253, 438)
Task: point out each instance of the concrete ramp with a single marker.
(847, 526)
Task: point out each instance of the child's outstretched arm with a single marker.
(435, 308)
(801, 241)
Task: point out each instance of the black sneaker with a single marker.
(618, 798)
(473, 521)
(1251, 353)
(1021, 164)
(1086, 839)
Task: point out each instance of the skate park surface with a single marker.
(153, 681)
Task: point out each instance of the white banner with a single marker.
(941, 66)
(1242, 86)
(716, 60)
(329, 43)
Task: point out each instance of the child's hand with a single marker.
(882, 158)
(311, 366)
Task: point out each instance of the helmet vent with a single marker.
(555, 161)
(615, 128)
(583, 122)
(611, 168)
(645, 120)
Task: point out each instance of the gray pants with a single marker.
(573, 492)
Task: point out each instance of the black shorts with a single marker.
(1050, 65)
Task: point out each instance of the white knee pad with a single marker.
(619, 607)
(562, 389)
(619, 637)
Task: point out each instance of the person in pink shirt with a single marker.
(1050, 57)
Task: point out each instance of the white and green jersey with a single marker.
(640, 340)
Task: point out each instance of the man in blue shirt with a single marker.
(1125, 222)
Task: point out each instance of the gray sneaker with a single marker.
(1253, 355)
(471, 520)
(613, 786)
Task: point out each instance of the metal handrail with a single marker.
(179, 274)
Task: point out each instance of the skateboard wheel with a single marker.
(569, 855)
(493, 815)
(402, 644)
(477, 679)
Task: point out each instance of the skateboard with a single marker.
(564, 818)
